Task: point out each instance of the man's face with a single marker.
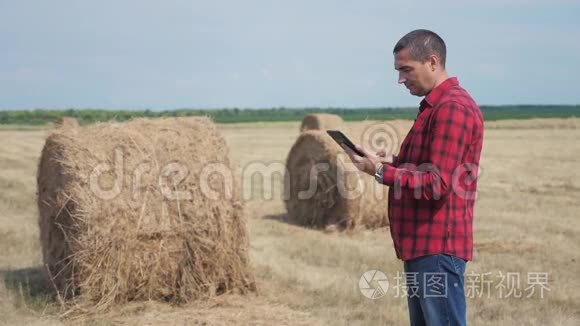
(417, 76)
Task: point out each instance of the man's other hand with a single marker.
(368, 163)
(386, 158)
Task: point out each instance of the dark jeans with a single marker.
(435, 290)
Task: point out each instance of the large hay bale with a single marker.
(134, 211)
(323, 188)
(321, 121)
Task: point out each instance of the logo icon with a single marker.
(373, 284)
(381, 136)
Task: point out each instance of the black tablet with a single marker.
(340, 138)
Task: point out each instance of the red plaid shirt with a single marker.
(433, 180)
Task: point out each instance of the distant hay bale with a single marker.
(323, 189)
(66, 122)
(321, 121)
(132, 211)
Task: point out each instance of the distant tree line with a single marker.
(231, 115)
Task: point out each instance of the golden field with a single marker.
(526, 222)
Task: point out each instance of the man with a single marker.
(432, 182)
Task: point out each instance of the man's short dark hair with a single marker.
(421, 44)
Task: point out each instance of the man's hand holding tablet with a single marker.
(363, 159)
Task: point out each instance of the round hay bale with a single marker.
(146, 209)
(321, 121)
(323, 188)
(66, 122)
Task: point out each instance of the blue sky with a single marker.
(206, 54)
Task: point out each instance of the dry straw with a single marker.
(325, 190)
(321, 121)
(66, 122)
(151, 240)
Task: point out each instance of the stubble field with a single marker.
(527, 238)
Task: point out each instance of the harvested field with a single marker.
(526, 222)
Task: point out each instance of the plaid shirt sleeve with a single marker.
(449, 135)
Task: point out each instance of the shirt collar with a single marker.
(435, 94)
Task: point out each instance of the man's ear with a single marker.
(433, 62)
